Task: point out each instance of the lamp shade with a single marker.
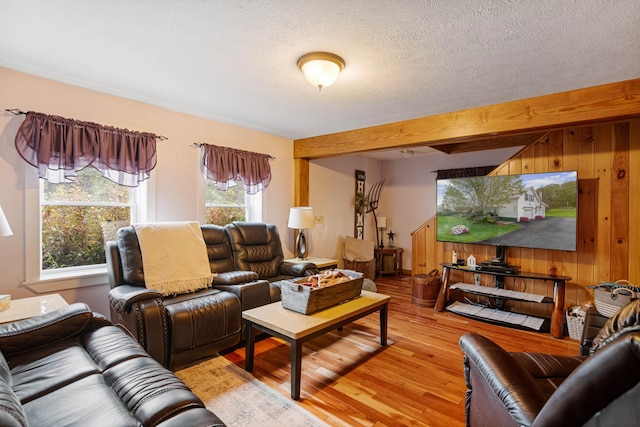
(301, 217)
(382, 222)
(5, 230)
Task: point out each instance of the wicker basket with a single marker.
(368, 268)
(611, 297)
(575, 322)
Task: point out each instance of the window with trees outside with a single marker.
(77, 218)
(234, 204)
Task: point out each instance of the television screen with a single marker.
(535, 210)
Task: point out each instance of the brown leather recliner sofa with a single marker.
(72, 367)
(181, 329)
(534, 389)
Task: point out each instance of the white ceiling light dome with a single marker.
(321, 69)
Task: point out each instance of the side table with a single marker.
(395, 267)
(321, 263)
(24, 308)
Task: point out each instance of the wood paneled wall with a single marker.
(607, 158)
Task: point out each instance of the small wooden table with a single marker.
(381, 254)
(296, 328)
(321, 263)
(24, 308)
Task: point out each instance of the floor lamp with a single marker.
(301, 217)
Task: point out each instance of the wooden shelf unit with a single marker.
(556, 325)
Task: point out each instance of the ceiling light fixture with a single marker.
(406, 153)
(321, 69)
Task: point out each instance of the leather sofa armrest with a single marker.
(122, 297)
(43, 330)
(234, 277)
(251, 295)
(593, 389)
(298, 270)
(514, 387)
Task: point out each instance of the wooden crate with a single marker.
(307, 300)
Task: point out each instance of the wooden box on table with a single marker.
(306, 300)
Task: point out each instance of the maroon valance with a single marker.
(59, 148)
(464, 172)
(226, 165)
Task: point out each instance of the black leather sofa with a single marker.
(72, 367)
(534, 389)
(257, 247)
(181, 329)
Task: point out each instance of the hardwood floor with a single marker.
(417, 380)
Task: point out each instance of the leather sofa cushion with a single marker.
(5, 372)
(11, 412)
(234, 277)
(42, 330)
(40, 372)
(142, 385)
(256, 247)
(218, 248)
(107, 347)
(85, 402)
(215, 238)
(202, 317)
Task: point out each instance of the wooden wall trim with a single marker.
(597, 104)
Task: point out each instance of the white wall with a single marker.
(178, 182)
(331, 194)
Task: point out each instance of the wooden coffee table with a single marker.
(296, 328)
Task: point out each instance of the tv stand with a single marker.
(556, 323)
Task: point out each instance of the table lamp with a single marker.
(5, 230)
(382, 224)
(301, 217)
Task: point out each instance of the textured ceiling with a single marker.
(235, 61)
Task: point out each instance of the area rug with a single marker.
(239, 399)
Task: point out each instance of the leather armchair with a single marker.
(257, 247)
(534, 389)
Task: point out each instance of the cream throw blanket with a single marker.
(174, 256)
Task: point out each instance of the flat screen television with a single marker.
(537, 210)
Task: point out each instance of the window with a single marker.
(74, 216)
(234, 204)
(64, 228)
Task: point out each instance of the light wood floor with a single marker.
(417, 380)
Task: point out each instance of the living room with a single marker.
(608, 247)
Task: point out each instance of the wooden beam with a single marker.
(610, 102)
(490, 143)
(301, 183)
(300, 187)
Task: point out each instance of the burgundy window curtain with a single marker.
(59, 148)
(226, 165)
